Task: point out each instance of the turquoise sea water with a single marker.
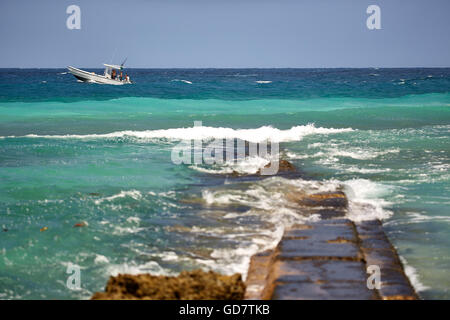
(72, 152)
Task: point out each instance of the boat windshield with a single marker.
(115, 73)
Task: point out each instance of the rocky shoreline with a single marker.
(193, 285)
(327, 259)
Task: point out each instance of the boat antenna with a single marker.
(124, 62)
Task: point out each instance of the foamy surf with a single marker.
(134, 268)
(413, 276)
(134, 194)
(249, 165)
(366, 198)
(182, 80)
(267, 202)
(264, 133)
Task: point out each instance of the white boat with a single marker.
(113, 75)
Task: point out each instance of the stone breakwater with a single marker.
(327, 259)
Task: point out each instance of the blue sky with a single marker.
(225, 33)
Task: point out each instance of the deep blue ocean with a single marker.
(74, 152)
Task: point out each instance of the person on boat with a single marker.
(113, 74)
(121, 76)
(127, 78)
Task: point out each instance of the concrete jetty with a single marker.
(329, 259)
(333, 258)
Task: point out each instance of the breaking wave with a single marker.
(182, 80)
(366, 198)
(265, 133)
(248, 165)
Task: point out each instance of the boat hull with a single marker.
(93, 77)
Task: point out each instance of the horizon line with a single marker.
(367, 67)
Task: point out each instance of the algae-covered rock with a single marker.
(284, 166)
(336, 199)
(192, 285)
(80, 224)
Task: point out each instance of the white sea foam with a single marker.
(168, 256)
(265, 133)
(269, 196)
(249, 165)
(232, 260)
(267, 201)
(366, 170)
(416, 217)
(292, 155)
(133, 268)
(118, 230)
(331, 153)
(133, 220)
(366, 199)
(237, 260)
(217, 170)
(134, 194)
(244, 75)
(100, 259)
(360, 154)
(182, 80)
(413, 276)
(263, 81)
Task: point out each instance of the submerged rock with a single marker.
(192, 285)
(284, 166)
(336, 199)
(80, 224)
